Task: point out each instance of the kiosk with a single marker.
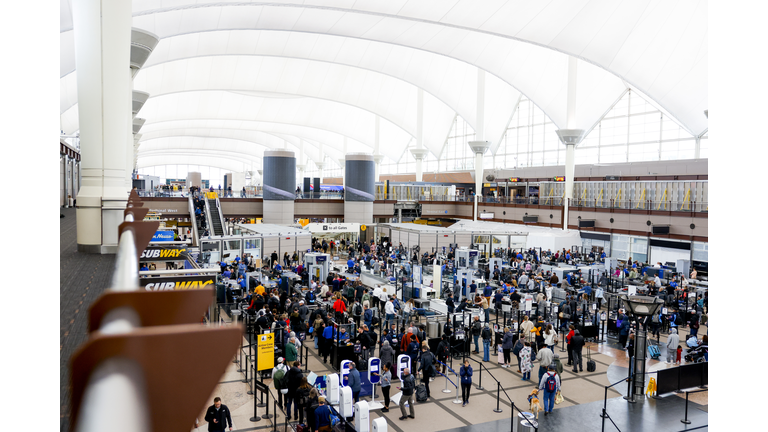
(344, 371)
(333, 389)
(379, 425)
(374, 371)
(362, 419)
(403, 362)
(346, 400)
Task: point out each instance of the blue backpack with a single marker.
(551, 383)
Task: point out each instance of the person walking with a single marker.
(217, 416)
(525, 361)
(571, 332)
(409, 384)
(303, 398)
(577, 343)
(322, 416)
(672, 341)
(550, 385)
(466, 381)
(385, 381)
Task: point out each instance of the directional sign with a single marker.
(266, 351)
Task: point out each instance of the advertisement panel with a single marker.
(163, 254)
(177, 283)
(163, 236)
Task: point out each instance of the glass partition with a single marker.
(210, 251)
(231, 250)
(252, 247)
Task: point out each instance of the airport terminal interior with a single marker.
(374, 216)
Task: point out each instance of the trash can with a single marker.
(433, 329)
(525, 422)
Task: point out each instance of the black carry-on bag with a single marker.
(591, 366)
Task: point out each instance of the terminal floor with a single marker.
(83, 277)
(584, 394)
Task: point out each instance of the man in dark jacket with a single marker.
(322, 416)
(577, 343)
(273, 259)
(427, 368)
(409, 384)
(294, 381)
(218, 416)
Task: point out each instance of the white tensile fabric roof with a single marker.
(320, 71)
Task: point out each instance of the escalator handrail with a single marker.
(195, 235)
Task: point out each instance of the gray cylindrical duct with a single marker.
(279, 185)
(279, 175)
(360, 175)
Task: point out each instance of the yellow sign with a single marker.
(304, 222)
(211, 195)
(362, 228)
(266, 352)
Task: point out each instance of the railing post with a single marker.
(267, 415)
(512, 416)
(498, 392)
(480, 387)
(685, 420)
(255, 417)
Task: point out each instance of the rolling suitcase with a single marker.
(653, 352)
(591, 365)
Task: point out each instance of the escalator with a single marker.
(215, 219)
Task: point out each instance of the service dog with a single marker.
(533, 400)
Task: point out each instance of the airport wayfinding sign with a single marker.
(266, 352)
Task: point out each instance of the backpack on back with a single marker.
(281, 380)
(551, 383)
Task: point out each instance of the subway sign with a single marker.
(163, 254)
(559, 178)
(177, 283)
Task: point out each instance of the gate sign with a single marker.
(403, 362)
(374, 364)
(163, 236)
(344, 369)
(266, 352)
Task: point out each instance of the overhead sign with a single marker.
(265, 353)
(514, 179)
(163, 254)
(486, 215)
(559, 178)
(177, 283)
(163, 236)
(333, 227)
(363, 227)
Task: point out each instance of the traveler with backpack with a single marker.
(656, 325)
(486, 335)
(295, 378)
(466, 381)
(427, 367)
(550, 384)
(302, 398)
(443, 351)
(477, 328)
(279, 378)
(357, 312)
(408, 387)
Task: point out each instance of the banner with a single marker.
(177, 283)
(333, 227)
(265, 353)
(163, 254)
(163, 236)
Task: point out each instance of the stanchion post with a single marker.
(251, 390)
(685, 420)
(267, 415)
(480, 387)
(255, 417)
(274, 422)
(498, 392)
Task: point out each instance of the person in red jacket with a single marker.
(340, 307)
(568, 343)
